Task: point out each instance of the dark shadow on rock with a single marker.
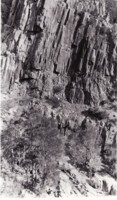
(95, 114)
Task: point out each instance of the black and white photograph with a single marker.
(58, 99)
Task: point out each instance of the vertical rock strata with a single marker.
(59, 60)
(53, 42)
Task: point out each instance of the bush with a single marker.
(32, 151)
(111, 162)
(54, 102)
(57, 89)
(82, 150)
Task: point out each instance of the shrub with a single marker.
(111, 162)
(57, 89)
(32, 151)
(83, 151)
(54, 102)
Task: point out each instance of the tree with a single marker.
(36, 151)
(95, 164)
(112, 161)
(83, 150)
(75, 150)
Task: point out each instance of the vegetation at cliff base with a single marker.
(33, 146)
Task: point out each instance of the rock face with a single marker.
(59, 58)
(71, 43)
(111, 5)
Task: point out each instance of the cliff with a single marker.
(60, 42)
(59, 58)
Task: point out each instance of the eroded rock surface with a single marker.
(61, 42)
(60, 57)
